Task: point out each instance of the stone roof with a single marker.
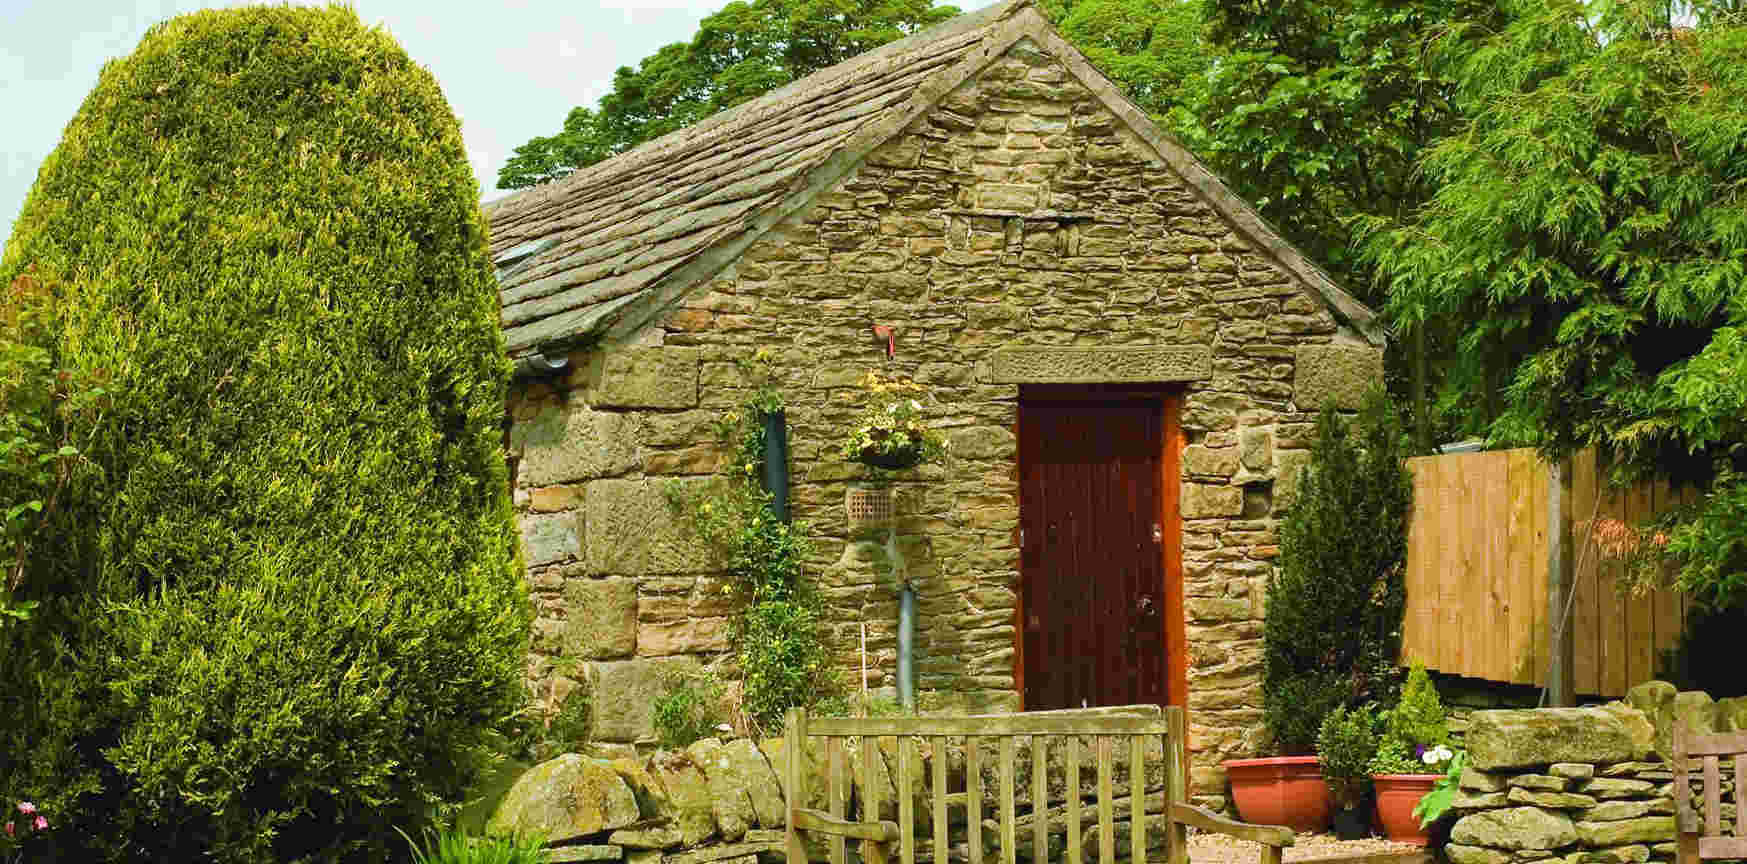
(602, 251)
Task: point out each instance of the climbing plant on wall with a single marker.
(778, 635)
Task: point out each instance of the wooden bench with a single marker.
(880, 839)
(1707, 842)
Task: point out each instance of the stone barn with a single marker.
(1125, 357)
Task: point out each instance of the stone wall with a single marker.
(1016, 234)
(722, 800)
(1589, 785)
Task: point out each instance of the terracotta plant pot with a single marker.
(1397, 795)
(1281, 790)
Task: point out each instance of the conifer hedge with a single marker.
(281, 610)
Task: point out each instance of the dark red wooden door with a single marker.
(1094, 508)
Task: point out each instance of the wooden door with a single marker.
(1101, 590)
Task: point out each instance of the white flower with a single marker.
(915, 406)
(1430, 757)
(892, 408)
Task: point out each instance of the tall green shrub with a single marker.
(1333, 626)
(280, 609)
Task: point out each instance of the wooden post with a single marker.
(1073, 786)
(872, 852)
(938, 764)
(1561, 642)
(1176, 786)
(794, 779)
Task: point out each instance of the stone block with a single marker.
(1468, 800)
(1525, 738)
(624, 694)
(600, 618)
(565, 798)
(1572, 770)
(1256, 449)
(1204, 501)
(982, 442)
(1619, 787)
(1288, 465)
(1038, 364)
(1613, 811)
(1210, 461)
(1334, 374)
(1551, 800)
(1542, 782)
(684, 636)
(554, 499)
(1481, 781)
(1514, 828)
(648, 378)
(659, 836)
(633, 529)
(550, 539)
(1622, 832)
(1634, 854)
(569, 443)
(568, 854)
(1459, 854)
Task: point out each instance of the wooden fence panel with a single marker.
(1477, 581)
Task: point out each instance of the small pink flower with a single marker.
(26, 808)
(40, 824)
(9, 830)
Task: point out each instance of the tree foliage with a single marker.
(1152, 49)
(279, 605)
(1333, 626)
(739, 53)
(1317, 110)
(1588, 240)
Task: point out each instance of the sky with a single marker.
(512, 69)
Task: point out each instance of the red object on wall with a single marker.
(891, 338)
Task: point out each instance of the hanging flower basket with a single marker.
(891, 460)
(893, 433)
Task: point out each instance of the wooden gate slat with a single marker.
(1009, 848)
(1106, 815)
(1713, 797)
(1039, 799)
(794, 781)
(973, 787)
(1073, 791)
(1176, 750)
(938, 744)
(1137, 799)
(906, 800)
(835, 794)
(871, 853)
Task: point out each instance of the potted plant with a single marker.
(1412, 757)
(892, 434)
(1346, 744)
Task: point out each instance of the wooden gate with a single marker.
(1100, 595)
(881, 838)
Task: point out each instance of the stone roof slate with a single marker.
(610, 245)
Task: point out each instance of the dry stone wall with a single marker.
(1588, 785)
(1016, 234)
(722, 800)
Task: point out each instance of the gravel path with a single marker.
(1205, 848)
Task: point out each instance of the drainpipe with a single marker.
(776, 462)
(906, 646)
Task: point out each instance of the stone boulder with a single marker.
(688, 793)
(1731, 714)
(566, 798)
(1514, 828)
(1663, 705)
(1525, 738)
(731, 805)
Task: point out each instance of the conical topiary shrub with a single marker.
(281, 610)
(1333, 627)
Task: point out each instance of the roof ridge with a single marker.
(964, 24)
